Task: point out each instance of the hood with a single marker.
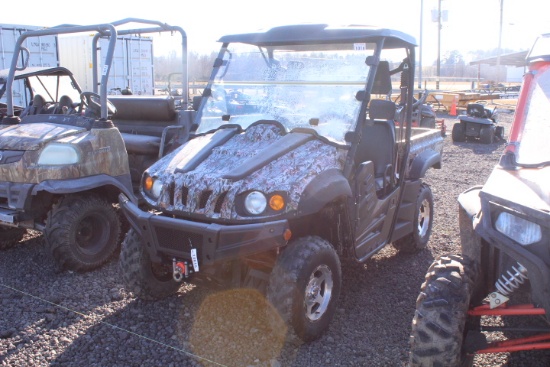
(527, 187)
(34, 136)
(206, 175)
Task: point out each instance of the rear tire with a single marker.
(439, 325)
(487, 135)
(458, 134)
(10, 237)
(422, 223)
(145, 279)
(82, 232)
(499, 132)
(304, 287)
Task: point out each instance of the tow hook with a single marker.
(180, 270)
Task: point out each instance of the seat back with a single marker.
(382, 79)
(378, 139)
(38, 105)
(476, 110)
(64, 106)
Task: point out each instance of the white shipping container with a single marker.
(132, 64)
(43, 52)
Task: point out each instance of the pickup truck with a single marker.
(296, 163)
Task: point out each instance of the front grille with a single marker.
(184, 194)
(204, 198)
(219, 202)
(13, 194)
(177, 240)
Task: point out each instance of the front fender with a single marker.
(469, 217)
(422, 162)
(123, 183)
(470, 202)
(323, 189)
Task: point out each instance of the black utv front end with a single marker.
(177, 238)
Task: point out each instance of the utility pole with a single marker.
(438, 44)
(420, 45)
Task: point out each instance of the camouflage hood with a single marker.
(33, 136)
(207, 175)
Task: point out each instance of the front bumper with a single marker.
(166, 237)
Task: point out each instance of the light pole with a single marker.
(499, 50)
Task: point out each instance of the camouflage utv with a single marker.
(296, 163)
(66, 156)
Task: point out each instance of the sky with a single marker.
(471, 25)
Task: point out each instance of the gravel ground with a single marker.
(71, 319)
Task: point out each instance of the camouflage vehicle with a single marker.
(67, 155)
(504, 267)
(296, 163)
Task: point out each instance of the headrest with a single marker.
(38, 101)
(65, 101)
(380, 109)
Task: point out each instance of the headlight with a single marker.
(518, 229)
(255, 202)
(58, 154)
(152, 186)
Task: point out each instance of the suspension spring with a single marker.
(511, 281)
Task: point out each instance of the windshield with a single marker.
(534, 147)
(313, 88)
(540, 48)
(51, 87)
(47, 86)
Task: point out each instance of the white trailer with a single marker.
(132, 64)
(43, 52)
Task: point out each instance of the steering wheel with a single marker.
(92, 101)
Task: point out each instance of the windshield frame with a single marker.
(526, 139)
(370, 55)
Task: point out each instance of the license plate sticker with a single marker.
(195, 260)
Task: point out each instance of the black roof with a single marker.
(322, 33)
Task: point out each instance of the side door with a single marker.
(373, 212)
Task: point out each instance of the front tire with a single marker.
(142, 277)
(422, 223)
(82, 232)
(458, 134)
(439, 324)
(10, 237)
(304, 287)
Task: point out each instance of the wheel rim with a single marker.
(318, 292)
(161, 272)
(92, 233)
(424, 218)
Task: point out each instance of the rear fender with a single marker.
(422, 162)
